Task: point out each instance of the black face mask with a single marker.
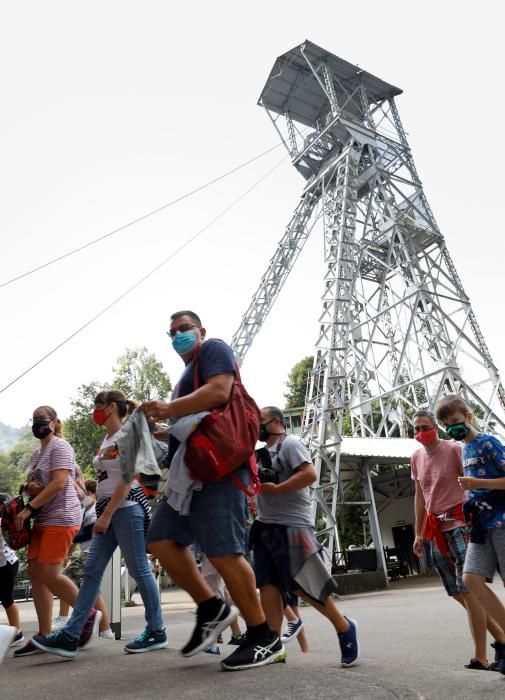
(264, 434)
(41, 429)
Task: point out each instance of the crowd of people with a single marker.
(459, 509)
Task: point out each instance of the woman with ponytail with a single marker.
(56, 510)
(122, 511)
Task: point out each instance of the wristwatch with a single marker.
(30, 507)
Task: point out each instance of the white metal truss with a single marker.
(397, 330)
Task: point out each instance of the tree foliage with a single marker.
(140, 375)
(14, 463)
(297, 383)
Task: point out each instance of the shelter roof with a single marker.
(377, 450)
(292, 86)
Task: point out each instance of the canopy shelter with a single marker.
(365, 459)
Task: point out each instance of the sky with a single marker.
(111, 109)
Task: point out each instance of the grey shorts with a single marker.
(488, 558)
(216, 522)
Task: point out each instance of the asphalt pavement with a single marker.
(414, 644)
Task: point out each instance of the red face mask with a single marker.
(99, 416)
(426, 437)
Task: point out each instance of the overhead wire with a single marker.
(146, 276)
(140, 218)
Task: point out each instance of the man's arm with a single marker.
(215, 392)
(303, 476)
(420, 512)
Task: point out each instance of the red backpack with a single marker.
(225, 439)
(15, 539)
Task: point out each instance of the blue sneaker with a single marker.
(349, 645)
(147, 641)
(293, 630)
(59, 643)
(212, 649)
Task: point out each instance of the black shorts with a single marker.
(271, 558)
(8, 575)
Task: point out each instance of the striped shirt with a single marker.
(64, 509)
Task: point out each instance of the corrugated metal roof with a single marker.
(389, 448)
(292, 86)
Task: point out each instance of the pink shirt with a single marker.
(437, 472)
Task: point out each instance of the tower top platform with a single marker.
(293, 87)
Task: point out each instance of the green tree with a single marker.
(349, 518)
(14, 463)
(297, 383)
(140, 375)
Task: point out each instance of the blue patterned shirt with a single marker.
(484, 458)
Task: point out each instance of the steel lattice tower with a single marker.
(396, 330)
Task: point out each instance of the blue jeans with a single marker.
(126, 530)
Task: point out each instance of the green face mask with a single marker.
(458, 431)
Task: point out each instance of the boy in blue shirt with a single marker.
(484, 478)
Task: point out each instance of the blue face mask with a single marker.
(184, 342)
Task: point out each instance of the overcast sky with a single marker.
(111, 109)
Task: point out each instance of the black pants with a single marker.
(8, 575)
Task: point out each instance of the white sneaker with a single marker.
(60, 622)
(18, 639)
(107, 634)
(7, 634)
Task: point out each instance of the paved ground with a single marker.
(414, 643)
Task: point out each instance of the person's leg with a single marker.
(42, 598)
(486, 597)
(129, 529)
(168, 539)
(235, 629)
(477, 623)
(272, 604)
(100, 552)
(64, 609)
(449, 566)
(59, 585)
(180, 564)
(329, 610)
(100, 605)
(292, 614)
(12, 613)
(241, 582)
(8, 574)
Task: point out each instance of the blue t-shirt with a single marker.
(484, 458)
(215, 357)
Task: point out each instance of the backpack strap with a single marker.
(254, 481)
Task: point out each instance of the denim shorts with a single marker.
(216, 521)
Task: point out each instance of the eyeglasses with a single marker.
(37, 419)
(182, 329)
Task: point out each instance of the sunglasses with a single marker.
(182, 329)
